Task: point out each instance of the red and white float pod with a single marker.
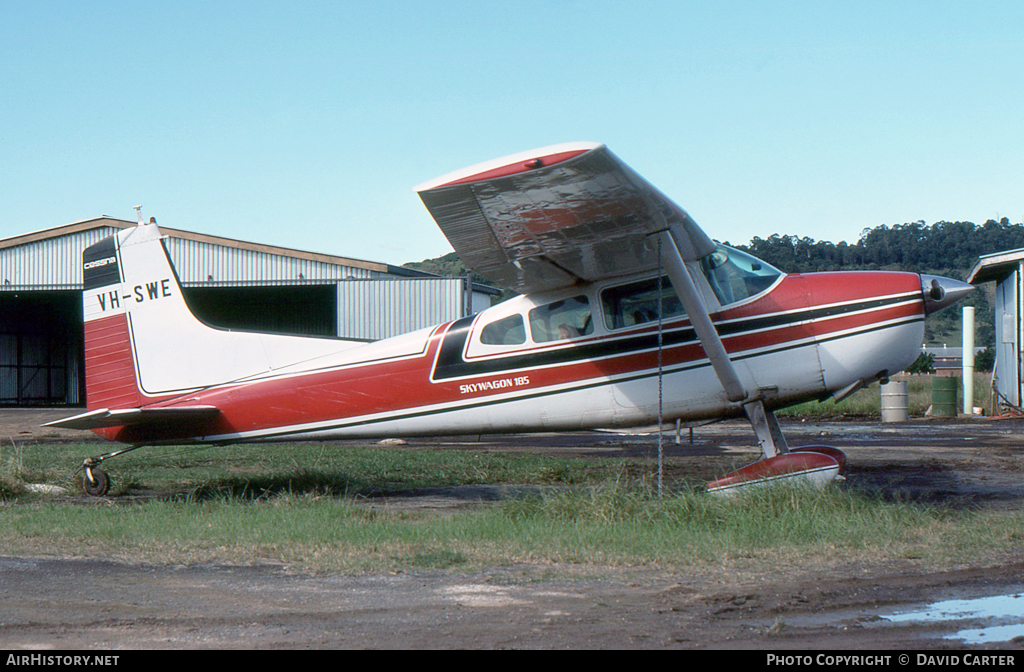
(799, 467)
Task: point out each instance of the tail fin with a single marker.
(143, 344)
(110, 380)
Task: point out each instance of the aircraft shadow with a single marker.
(301, 482)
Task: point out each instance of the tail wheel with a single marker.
(96, 482)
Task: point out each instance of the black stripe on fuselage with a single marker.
(451, 363)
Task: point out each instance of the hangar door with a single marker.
(306, 309)
(1007, 310)
(41, 348)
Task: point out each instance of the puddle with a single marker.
(1002, 617)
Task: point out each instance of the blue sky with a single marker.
(307, 124)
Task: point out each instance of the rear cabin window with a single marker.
(569, 318)
(506, 331)
(637, 303)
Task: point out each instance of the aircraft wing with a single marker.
(118, 417)
(555, 216)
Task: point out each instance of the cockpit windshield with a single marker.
(735, 276)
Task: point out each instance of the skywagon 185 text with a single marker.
(500, 384)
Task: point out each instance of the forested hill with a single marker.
(943, 248)
(951, 248)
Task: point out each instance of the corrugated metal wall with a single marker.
(375, 309)
(204, 262)
(1007, 305)
(54, 263)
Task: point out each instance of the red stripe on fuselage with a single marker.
(838, 286)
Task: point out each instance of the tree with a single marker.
(985, 360)
(923, 364)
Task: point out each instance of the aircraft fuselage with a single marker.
(805, 337)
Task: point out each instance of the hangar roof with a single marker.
(995, 267)
(50, 259)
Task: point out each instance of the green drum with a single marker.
(944, 393)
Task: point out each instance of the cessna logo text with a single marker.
(99, 262)
(499, 384)
(147, 292)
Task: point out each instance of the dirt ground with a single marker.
(85, 603)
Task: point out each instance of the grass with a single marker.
(12, 471)
(249, 472)
(868, 401)
(309, 506)
(593, 527)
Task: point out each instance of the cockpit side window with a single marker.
(506, 331)
(637, 302)
(735, 276)
(569, 318)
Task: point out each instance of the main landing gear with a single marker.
(95, 481)
(815, 466)
(779, 463)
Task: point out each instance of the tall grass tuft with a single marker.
(10, 488)
(12, 471)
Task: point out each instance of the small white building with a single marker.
(1006, 269)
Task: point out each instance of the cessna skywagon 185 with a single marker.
(622, 295)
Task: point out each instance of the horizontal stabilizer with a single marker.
(119, 417)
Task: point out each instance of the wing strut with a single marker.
(701, 321)
(766, 427)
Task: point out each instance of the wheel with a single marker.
(98, 484)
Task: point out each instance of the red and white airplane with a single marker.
(622, 294)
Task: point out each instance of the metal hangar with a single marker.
(228, 283)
